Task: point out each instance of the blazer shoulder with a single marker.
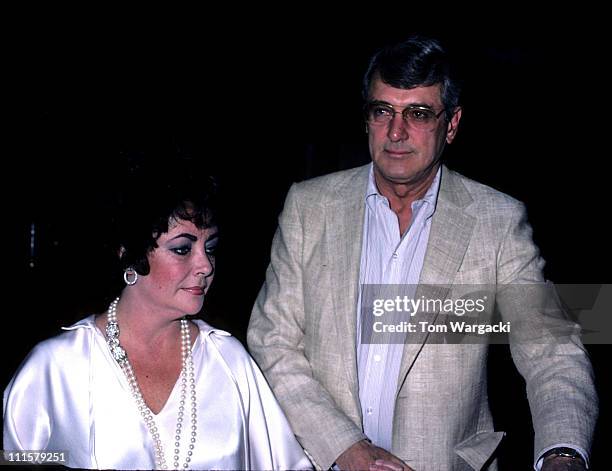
(484, 195)
(330, 187)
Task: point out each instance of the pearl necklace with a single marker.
(120, 355)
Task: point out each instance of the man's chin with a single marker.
(399, 175)
(404, 176)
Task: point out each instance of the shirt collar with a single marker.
(205, 328)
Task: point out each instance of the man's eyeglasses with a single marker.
(416, 116)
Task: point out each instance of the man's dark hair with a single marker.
(417, 61)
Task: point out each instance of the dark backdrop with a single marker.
(264, 107)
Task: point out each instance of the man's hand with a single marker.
(364, 456)
(562, 463)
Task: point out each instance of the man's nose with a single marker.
(397, 129)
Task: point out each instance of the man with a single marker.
(407, 219)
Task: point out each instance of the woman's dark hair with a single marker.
(153, 194)
(417, 61)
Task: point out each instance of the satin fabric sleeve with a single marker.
(265, 412)
(46, 404)
(270, 441)
(26, 405)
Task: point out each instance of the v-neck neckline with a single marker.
(122, 377)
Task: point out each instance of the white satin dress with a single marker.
(70, 395)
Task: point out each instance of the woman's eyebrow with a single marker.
(187, 235)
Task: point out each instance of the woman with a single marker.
(141, 386)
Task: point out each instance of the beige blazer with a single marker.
(302, 330)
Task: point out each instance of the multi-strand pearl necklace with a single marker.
(187, 375)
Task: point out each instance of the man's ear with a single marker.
(453, 125)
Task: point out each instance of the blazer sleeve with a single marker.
(545, 345)
(276, 337)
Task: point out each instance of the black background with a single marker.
(263, 103)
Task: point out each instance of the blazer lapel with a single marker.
(449, 237)
(344, 228)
